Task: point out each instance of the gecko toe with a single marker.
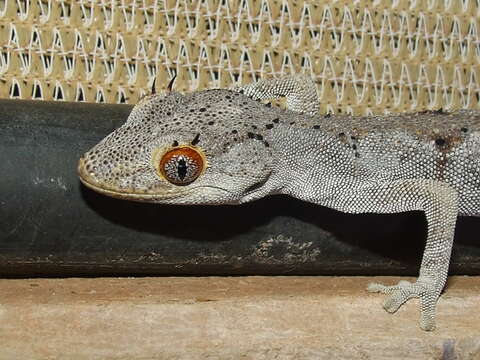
(404, 291)
(376, 288)
(397, 298)
(380, 288)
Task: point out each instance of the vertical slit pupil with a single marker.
(182, 169)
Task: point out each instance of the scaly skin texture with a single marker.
(381, 164)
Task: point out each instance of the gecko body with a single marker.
(224, 146)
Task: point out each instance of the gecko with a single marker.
(227, 146)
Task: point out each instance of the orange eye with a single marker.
(182, 165)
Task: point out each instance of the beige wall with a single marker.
(365, 56)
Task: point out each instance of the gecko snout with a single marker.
(84, 174)
(90, 171)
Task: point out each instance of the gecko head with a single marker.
(198, 148)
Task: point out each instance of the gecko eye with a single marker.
(182, 165)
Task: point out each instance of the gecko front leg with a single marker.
(299, 90)
(439, 202)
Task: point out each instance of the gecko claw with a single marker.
(402, 292)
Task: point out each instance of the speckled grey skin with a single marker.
(381, 164)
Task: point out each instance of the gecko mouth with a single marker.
(154, 195)
(128, 194)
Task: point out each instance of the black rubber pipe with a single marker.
(53, 226)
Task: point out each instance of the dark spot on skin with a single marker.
(175, 143)
(266, 143)
(316, 127)
(259, 137)
(357, 155)
(169, 113)
(202, 109)
(292, 123)
(241, 91)
(228, 97)
(341, 134)
(196, 140)
(353, 138)
(464, 129)
(234, 131)
(269, 126)
(268, 104)
(250, 135)
(354, 147)
(276, 120)
(440, 142)
(182, 169)
(447, 143)
(211, 122)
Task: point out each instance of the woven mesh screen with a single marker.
(366, 56)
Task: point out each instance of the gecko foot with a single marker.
(403, 291)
